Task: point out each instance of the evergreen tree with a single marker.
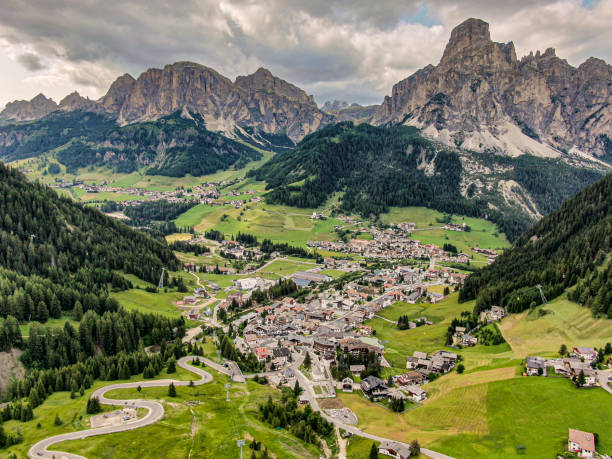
(307, 361)
(171, 390)
(93, 406)
(171, 368)
(78, 311)
(374, 451)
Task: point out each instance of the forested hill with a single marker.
(378, 167)
(55, 238)
(568, 247)
(174, 145)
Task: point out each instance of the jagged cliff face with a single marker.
(24, 110)
(480, 97)
(342, 111)
(261, 100)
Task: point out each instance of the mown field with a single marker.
(209, 429)
(565, 322)
(278, 223)
(490, 413)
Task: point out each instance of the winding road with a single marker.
(155, 411)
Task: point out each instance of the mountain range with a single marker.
(479, 97)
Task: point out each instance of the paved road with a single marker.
(155, 411)
(602, 378)
(309, 391)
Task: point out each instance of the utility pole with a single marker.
(544, 301)
(161, 279)
(240, 444)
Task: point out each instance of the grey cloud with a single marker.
(31, 62)
(358, 48)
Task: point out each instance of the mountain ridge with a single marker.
(480, 97)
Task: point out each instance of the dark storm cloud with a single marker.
(30, 61)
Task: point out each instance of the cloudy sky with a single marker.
(349, 49)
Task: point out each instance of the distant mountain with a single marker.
(368, 169)
(173, 145)
(255, 103)
(342, 111)
(481, 98)
(571, 246)
(24, 110)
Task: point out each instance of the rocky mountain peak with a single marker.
(329, 106)
(24, 110)
(263, 80)
(481, 98)
(469, 33)
(118, 92)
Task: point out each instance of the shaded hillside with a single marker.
(174, 145)
(54, 251)
(376, 167)
(563, 249)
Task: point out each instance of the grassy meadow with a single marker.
(71, 412)
(209, 429)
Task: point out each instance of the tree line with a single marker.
(565, 248)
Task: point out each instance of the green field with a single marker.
(484, 234)
(71, 412)
(137, 179)
(278, 223)
(489, 413)
(359, 448)
(157, 303)
(53, 323)
(287, 267)
(209, 429)
(565, 323)
(402, 343)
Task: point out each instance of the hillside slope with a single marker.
(57, 239)
(174, 145)
(376, 167)
(570, 246)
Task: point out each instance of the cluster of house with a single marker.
(454, 227)
(389, 244)
(318, 216)
(439, 362)
(493, 314)
(235, 250)
(579, 361)
(463, 338)
(321, 323)
(341, 264)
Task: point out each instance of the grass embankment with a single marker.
(209, 429)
